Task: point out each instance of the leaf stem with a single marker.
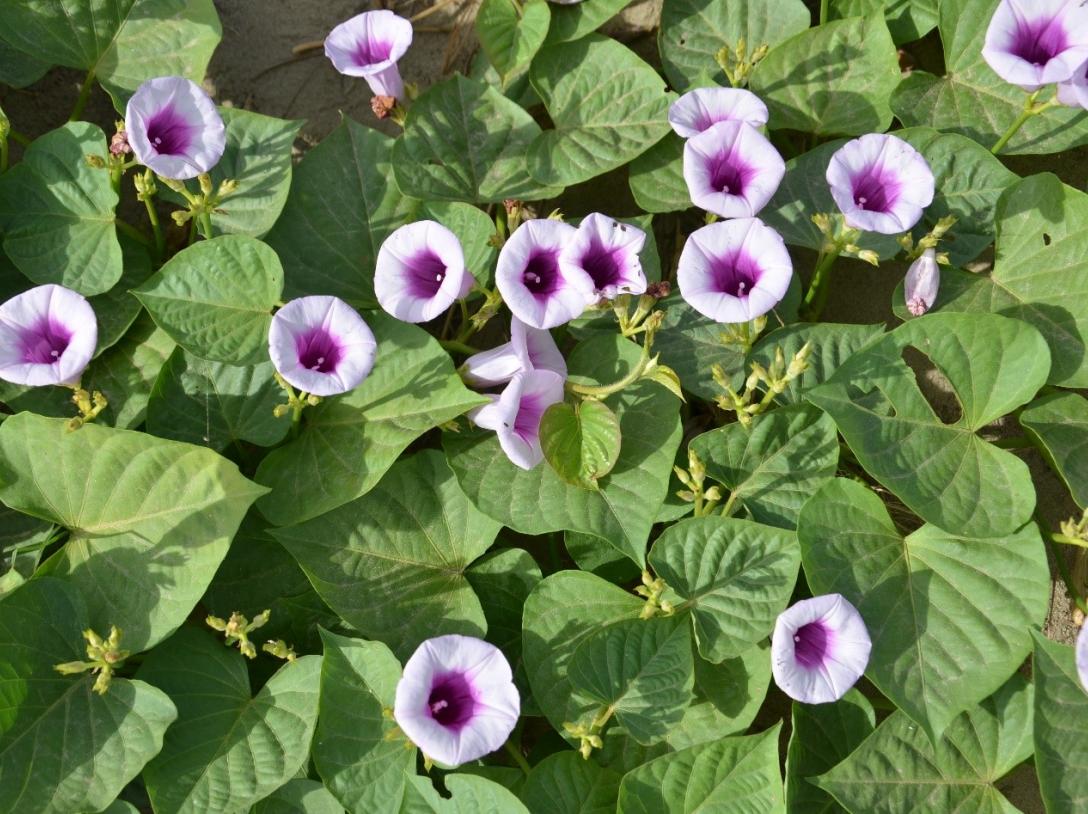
(3, 154)
(84, 95)
(515, 752)
(1029, 110)
(825, 8)
(131, 231)
(156, 229)
(458, 347)
(819, 288)
(604, 390)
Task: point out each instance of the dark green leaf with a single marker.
(511, 34)
(657, 177)
(1059, 424)
(1061, 719)
(564, 783)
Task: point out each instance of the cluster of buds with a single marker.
(693, 478)
(652, 589)
(743, 334)
(89, 404)
(930, 241)
(1074, 531)
(773, 382)
(104, 657)
(589, 735)
(840, 239)
(296, 402)
(237, 628)
(636, 323)
(737, 64)
(206, 203)
(280, 649)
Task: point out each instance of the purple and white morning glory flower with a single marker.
(420, 272)
(702, 108)
(1082, 656)
(528, 349)
(173, 128)
(321, 346)
(819, 649)
(735, 270)
(536, 288)
(608, 251)
(1032, 43)
(456, 699)
(1074, 91)
(732, 170)
(880, 183)
(369, 45)
(922, 282)
(515, 414)
(47, 336)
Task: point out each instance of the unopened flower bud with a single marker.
(119, 143)
(921, 283)
(206, 185)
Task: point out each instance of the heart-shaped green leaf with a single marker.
(581, 441)
(908, 20)
(657, 177)
(298, 796)
(1059, 423)
(511, 34)
(1061, 719)
(468, 795)
(564, 783)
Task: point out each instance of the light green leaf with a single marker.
(215, 298)
(564, 783)
(392, 563)
(103, 740)
(56, 211)
(1059, 425)
(691, 345)
(511, 35)
(1061, 719)
(941, 469)
(581, 441)
(149, 520)
(657, 177)
(299, 796)
(473, 228)
(574, 21)
(727, 697)
(348, 442)
(599, 125)
(898, 768)
(228, 748)
(503, 581)
(357, 749)
(693, 31)
(908, 20)
(948, 616)
(468, 795)
(734, 576)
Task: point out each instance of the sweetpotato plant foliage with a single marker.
(686, 421)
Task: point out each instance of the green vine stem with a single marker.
(84, 95)
(1030, 109)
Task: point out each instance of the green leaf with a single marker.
(22, 540)
(117, 308)
(19, 69)
(823, 736)
(974, 101)
(392, 563)
(56, 212)
(149, 520)
(63, 747)
(299, 796)
(228, 748)
(341, 206)
(691, 345)
(639, 668)
(212, 404)
(465, 141)
(734, 576)
(774, 466)
(348, 442)
(1061, 719)
(599, 125)
(473, 228)
(538, 502)
(832, 80)
(358, 750)
(215, 298)
(1058, 423)
(898, 768)
(657, 177)
(597, 556)
(693, 31)
(468, 795)
(564, 783)
(581, 441)
(948, 616)
(121, 43)
(503, 581)
(727, 697)
(510, 35)
(574, 21)
(908, 20)
(941, 469)
(729, 776)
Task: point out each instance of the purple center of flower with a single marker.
(1039, 41)
(527, 421)
(318, 350)
(875, 190)
(369, 52)
(169, 132)
(451, 702)
(735, 274)
(811, 643)
(541, 275)
(604, 265)
(426, 271)
(729, 175)
(46, 342)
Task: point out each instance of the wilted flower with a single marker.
(735, 270)
(608, 251)
(921, 283)
(47, 336)
(1032, 43)
(1074, 91)
(369, 45)
(515, 414)
(702, 108)
(732, 170)
(173, 127)
(819, 649)
(420, 271)
(1082, 656)
(528, 349)
(321, 345)
(456, 699)
(880, 183)
(533, 285)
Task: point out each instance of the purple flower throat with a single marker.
(603, 265)
(319, 350)
(46, 342)
(541, 275)
(1039, 41)
(451, 702)
(169, 132)
(426, 271)
(729, 175)
(875, 191)
(735, 274)
(811, 643)
(369, 52)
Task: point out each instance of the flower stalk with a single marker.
(1032, 107)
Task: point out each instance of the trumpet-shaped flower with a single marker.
(608, 251)
(321, 345)
(732, 170)
(173, 127)
(456, 699)
(528, 349)
(921, 283)
(47, 336)
(1074, 91)
(819, 649)
(369, 45)
(734, 271)
(420, 271)
(880, 183)
(537, 289)
(515, 414)
(1032, 43)
(702, 108)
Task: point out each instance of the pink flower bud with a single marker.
(921, 284)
